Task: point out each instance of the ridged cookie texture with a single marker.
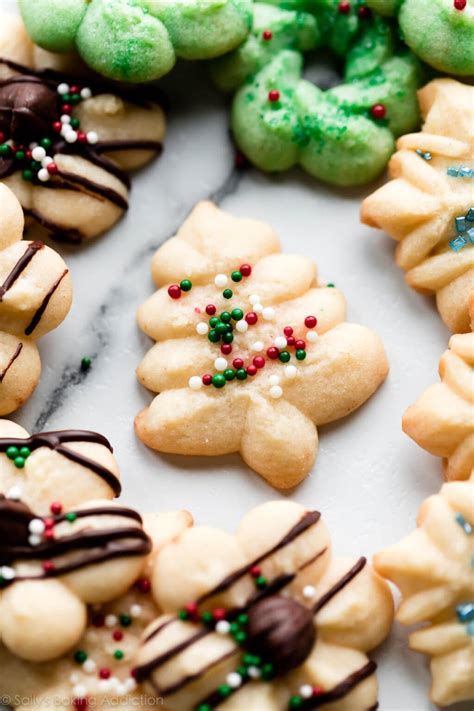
(35, 297)
(433, 568)
(428, 207)
(97, 668)
(251, 354)
(266, 619)
(69, 138)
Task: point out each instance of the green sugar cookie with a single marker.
(441, 32)
(137, 40)
(343, 136)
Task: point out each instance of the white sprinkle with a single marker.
(79, 690)
(220, 364)
(202, 328)
(258, 308)
(195, 382)
(242, 326)
(120, 689)
(34, 540)
(221, 280)
(257, 346)
(274, 379)
(32, 145)
(105, 685)
(234, 680)
(43, 175)
(268, 313)
(111, 620)
(130, 685)
(276, 391)
(306, 691)
(223, 627)
(89, 666)
(65, 119)
(65, 129)
(312, 336)
(74, 678)
(254, 672)
(38, 153)
(309, 591)
(92, 137)
(36, 526)
(46, 161)
(71, 136)
(63, 88)
(280, 342)
(291, 372)
(14, 493)
(7, 573)
(254, 299)
(136, 610)
(86, 93)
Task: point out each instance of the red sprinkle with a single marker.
(288, 331)
(318, 691)
(273, 95)
(290, 341)
(251, 370)
(56, 508)
(207, 379)
(310, 321)
(117, 635)
(80, 704)
(364, 12)
(104, 673)
(48, 522)
(174, 291)
(2, 137)
(57, 126)
(74, 89)
(191, 608)
(29, 154)
(66, 109)
(300, 345)
(52, 168)
(211, 309)
(267, 35)
(255, 571)
(344, 7)
(259, 361)
(219, 613)
(378, 111)
(245, 270)
(251, 318)
(238, 363)
(48, 566)
(81, 137)
(144, 585)
(226, 348)
(460, 4)
(49, 534)
(98, 619)
(273, 352)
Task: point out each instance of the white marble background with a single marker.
(370, 478)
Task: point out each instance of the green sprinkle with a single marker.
(75, 98)
(213, 336)
(284, 356)
(261, 582)
(25, 452)
(242, 671)
(234, 628)
(20, 155)
(204, 707)
(229, 374)
(80, 656)
(71, 516)
(86, 363)
(5, 150)
(225, 690)
(183, 615)
(300, 354)
(241, 374)
(218, 380)
(46, 142)
(125, 620)
(227, 293)
(228, 337)
(267, 671)
(237, 314)
(207, 618)
(225, 317)
(185, 285)
(12, 452)
(118, 654)
(66, 97)
(243, 619)
(221, 328)
(240, 637)
(236, 276)
(331, 285)
(295, 702)
(19, 462)
(35, 165)
(27, 175)
(75, 122)
(213, 321)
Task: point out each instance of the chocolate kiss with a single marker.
(15, 518)
(28, 107)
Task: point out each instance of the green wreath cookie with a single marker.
(343, 136)
(441, 32)
(137, 40)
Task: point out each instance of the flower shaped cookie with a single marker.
(428, 206)
(66, 142)
(251, 353)
(442, 420)
(98, 669)
(65, 467)
(35, 297)
(433, 569)
(266, 619)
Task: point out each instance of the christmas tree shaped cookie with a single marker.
(251, 354)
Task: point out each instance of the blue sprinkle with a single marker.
(470, 215)
(470, 628)
(467, 528)
(464, 171)
(453, 172)
(460, 224)
(465, 612)
(470, 234)
(457, 244)
(426, 155)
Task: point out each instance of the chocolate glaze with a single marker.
(55, 440)
(44, 305)
(29, 103)
(341, 689)
(98, 545)
(11, 361)
(345, 580)
(20, 267)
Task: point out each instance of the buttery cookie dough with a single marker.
(428, 207)
(432, 566)
(267, 619)
(67, 140)
(35, 297)
(252, 353)
(98, 670)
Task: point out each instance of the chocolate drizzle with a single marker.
(29, 104)
(11, 361)
(99, 545)
(342, 689)
(44, 305)
(345, 580)
(56, 440)
(20, 266)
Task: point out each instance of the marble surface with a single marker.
(370, 478)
